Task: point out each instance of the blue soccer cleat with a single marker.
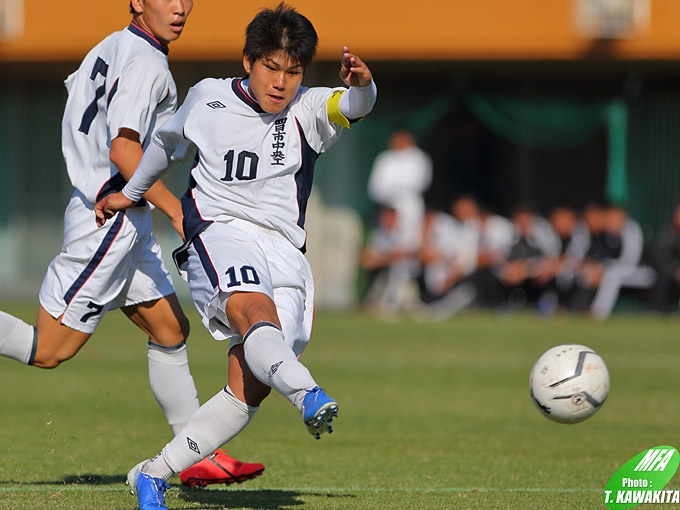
(318, 411)
(150, 491)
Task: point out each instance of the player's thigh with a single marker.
(56, 342)
(244, 309)
(163, 320)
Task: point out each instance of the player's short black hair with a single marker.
(132, 11)
(281, 29)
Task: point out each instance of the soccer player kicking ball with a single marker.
(122, 91)
(257, 139)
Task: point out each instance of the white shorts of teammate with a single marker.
(101, 269)
(241, 257)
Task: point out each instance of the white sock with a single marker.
(275, 364)
(172, 383)
(216, 422)
(18, 340)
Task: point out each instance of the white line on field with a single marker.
(103, 488)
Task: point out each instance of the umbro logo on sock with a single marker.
(193, 445)
(274, 368)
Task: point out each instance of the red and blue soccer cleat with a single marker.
(219, 468)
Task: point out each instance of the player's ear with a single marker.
(246, 64)
(137, 6)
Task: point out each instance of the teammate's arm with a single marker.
(126, 153)
(154, 162)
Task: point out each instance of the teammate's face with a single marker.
(164, 19)
(273, 80)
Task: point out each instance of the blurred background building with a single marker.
(550, 102)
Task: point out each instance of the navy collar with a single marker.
(239, 86)
(139, 31)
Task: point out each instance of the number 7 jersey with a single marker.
(123, 82)
(250, 164)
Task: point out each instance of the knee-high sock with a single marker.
(172, 384)
(275, 364)
(18, 340)
(217, 421)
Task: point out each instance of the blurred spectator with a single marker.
(511, 279)
(441, 265)
(534, 240)
(556, 273)
(398, 179)
(491, 234)
(612, 262)
(665, 258)
(490, 238)
(389, 268)
(591, 252)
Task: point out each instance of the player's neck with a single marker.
(138, 21)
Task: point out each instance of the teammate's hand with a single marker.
(108, 206)
(353, 71)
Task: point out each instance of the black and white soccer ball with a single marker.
(569, 383)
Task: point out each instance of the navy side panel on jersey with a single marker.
(304, 178)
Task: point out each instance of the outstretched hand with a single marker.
(353, 71)
(108, 206)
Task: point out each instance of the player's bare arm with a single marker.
(353, 71)
(126, 153)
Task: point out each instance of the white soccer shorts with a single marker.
(100, 269)
(241, 257)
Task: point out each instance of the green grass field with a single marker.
(432, 416)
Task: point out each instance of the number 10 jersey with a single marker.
(250, 164)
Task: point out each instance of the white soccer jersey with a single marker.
(123, 82)
(253, 165)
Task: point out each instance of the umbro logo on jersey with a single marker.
(215, 104)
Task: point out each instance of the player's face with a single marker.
(273, 80)
(164, 19)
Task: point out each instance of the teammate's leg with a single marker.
(45, 346)
(18, 340)
(169, 376)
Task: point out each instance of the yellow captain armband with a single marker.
(333, 108)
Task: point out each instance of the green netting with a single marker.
(555, 123)
(654, 158)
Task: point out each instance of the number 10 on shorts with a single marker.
(247, 275)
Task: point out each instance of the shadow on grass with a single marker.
(74, 480)
(260, 499)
